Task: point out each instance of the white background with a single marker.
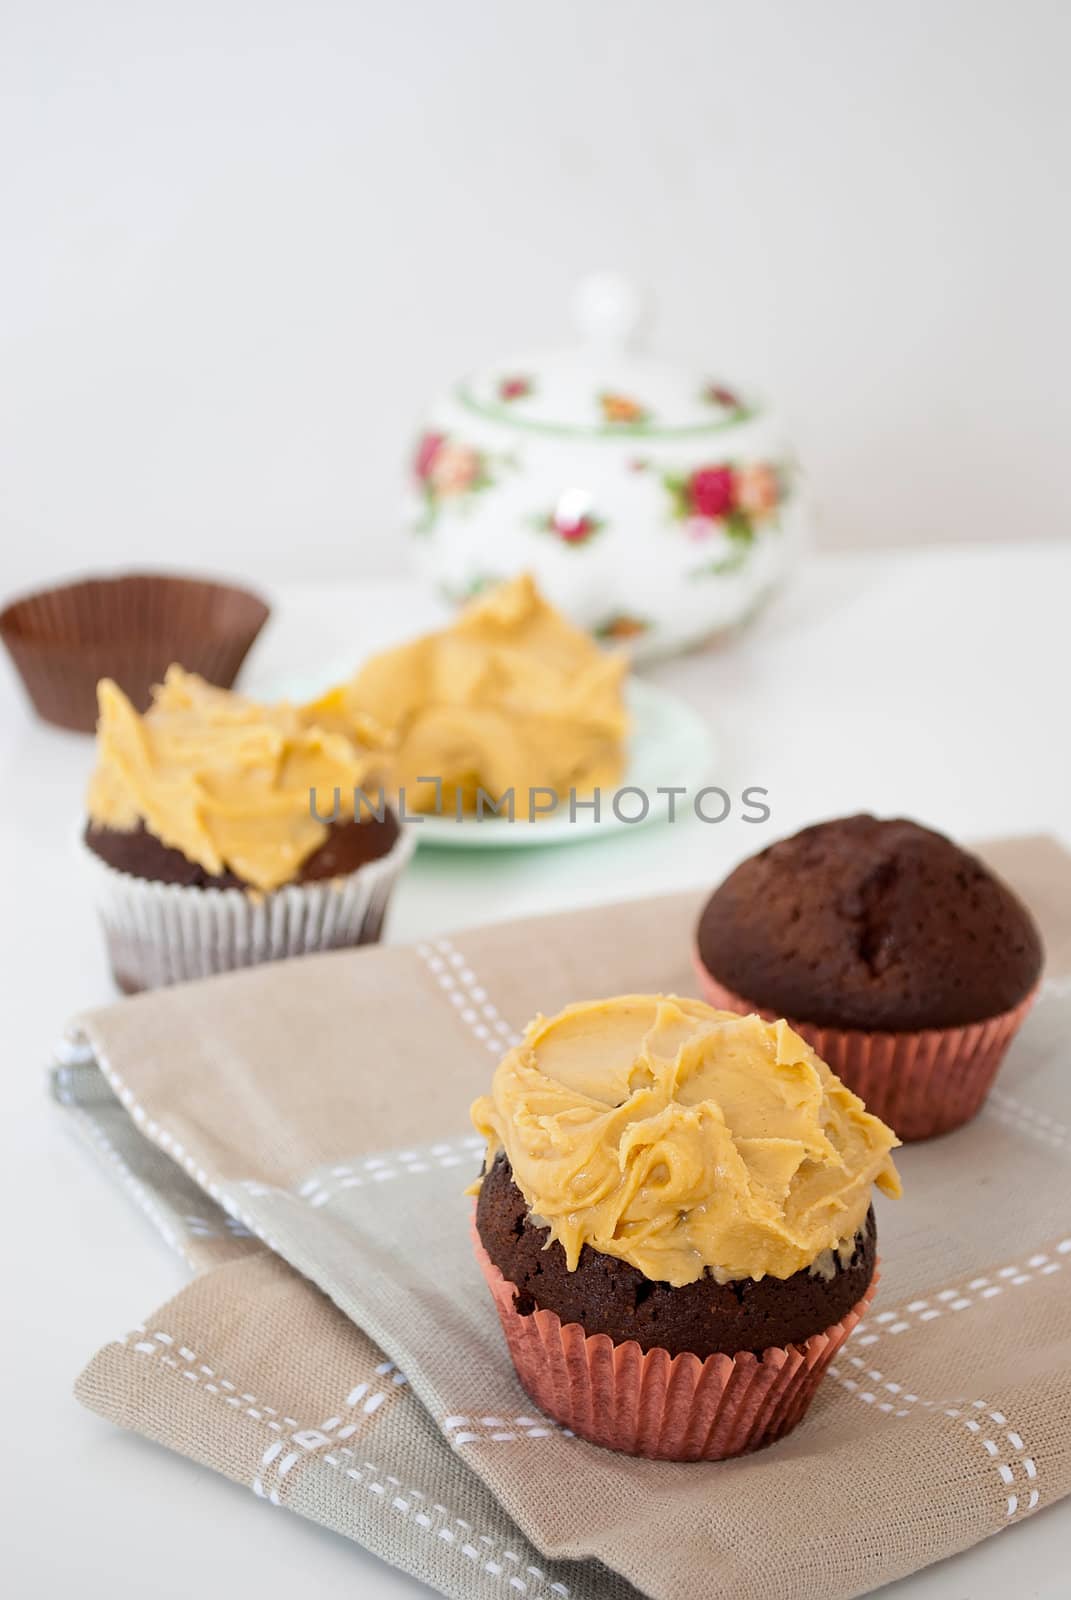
(244, 241)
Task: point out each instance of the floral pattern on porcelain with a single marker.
(448, 469)
(460, 594)
(622, 408)
(722, 398)
(573, 519)
(621, 627)
(727, 497)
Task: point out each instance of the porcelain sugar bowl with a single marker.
(653, 505)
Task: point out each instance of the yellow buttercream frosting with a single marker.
(223, 779)
(684, 1140)
(511, 696)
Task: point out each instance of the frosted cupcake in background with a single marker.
(206, 851)
(510, 696)
(903, 960)
(675, 1222)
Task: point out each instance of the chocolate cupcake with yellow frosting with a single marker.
(675, 1222)
(207, 848)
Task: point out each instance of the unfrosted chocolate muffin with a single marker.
(870, 924)
(607, 1295)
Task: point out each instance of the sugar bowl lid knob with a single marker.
(607, 310)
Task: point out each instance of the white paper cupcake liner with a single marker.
(163, 933)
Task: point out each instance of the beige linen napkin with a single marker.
(315, 1114)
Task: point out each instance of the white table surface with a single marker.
(933, 683)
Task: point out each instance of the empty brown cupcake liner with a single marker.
(130, 628)
(163, 933)
(920, 1083)
(649, 1403)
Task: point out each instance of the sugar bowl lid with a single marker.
(601, 388)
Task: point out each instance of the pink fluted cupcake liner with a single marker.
(668, 1408)
(920, 1083)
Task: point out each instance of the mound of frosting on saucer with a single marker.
(510, 696)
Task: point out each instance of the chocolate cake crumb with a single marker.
(348, 845)
(606, 1295)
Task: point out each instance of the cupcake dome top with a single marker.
(684, 1140)
(224, 780)
(867, 923)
